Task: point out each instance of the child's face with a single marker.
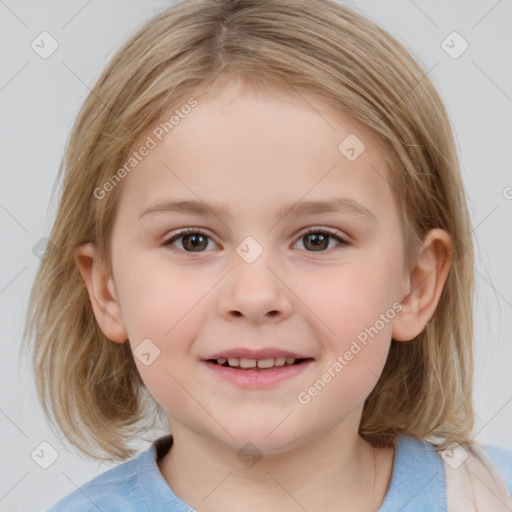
(254, 154)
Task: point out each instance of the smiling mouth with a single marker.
(246, 364)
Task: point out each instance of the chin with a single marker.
(263, 437)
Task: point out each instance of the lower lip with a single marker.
(256, 379)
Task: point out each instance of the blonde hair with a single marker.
(90, 384)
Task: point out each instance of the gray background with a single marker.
(39, 99)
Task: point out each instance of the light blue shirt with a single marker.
(417, 482)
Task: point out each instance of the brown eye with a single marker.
(189, 241)
(317, 240)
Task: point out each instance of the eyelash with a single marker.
(195, 231)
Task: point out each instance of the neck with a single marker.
(336, 469)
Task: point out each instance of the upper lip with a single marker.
(260, 353)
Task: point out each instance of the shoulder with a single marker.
(134, 486)
(417, 481)
(502, 458)
(113, 490)
(416, 452)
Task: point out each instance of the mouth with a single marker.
(252, 370)
(258, 365)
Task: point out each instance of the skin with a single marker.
(255, 151)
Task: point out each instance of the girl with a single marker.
(263, 231)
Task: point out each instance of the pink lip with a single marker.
(262, 353)
(257, 379)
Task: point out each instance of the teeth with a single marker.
(243, 362)
(247, 363)
(265, 363)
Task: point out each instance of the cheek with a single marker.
(159, 299)
(356, 321)
(165, 308)
(354, 311)
(353, 296)
(161, 309)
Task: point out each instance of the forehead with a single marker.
(258, 149)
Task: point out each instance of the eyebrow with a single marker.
(337, 205)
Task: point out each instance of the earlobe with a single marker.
(425, 284)
(102, 292)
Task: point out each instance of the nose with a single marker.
(256, 292)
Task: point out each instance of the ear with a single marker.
(102, 292)
(423, 285)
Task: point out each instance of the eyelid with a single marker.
(330, 231)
